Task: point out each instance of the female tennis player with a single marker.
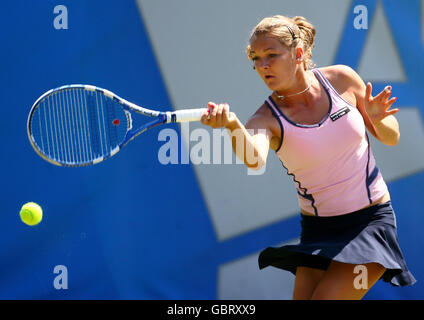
(316, 120)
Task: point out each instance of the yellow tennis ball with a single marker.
(31, 213)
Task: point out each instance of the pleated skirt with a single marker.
(361, 237)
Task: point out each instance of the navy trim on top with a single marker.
(370, 177)
(305, 193)
(279, 122)
(373, 176)
(367, 171)
(332, 88)
(309, 125)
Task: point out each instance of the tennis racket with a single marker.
(80, 125)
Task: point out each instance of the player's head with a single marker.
(295, 34)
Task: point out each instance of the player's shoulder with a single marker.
(341, 75)
(263, 113)
(261, 117)
(340, 72)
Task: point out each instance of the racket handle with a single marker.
(187, 115)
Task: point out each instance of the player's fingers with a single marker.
(206, 113)
(225, 112)
(383, 95)
(390, 103)
(221, 112)
(213, 110)
(211, 107)
(226, 115)
(387, 92)
(393, 111)
(368, 91)
(215, 116)
(206, 117)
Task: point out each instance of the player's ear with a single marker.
(299, 54)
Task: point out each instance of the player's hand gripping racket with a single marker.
(80, 125)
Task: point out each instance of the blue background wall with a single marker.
(121, 232)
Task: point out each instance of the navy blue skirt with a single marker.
(364, 236)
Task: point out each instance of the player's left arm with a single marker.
(378, 117)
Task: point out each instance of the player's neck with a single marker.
(299, 92)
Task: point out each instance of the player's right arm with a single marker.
(250, 142)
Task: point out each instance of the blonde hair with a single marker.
(291, 32)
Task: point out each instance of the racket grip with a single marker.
(187, 115)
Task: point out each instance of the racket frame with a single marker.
(160, 118)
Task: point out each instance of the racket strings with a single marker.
(78, 126)
(113, 123)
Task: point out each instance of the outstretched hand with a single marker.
(378, 107)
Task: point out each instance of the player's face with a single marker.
(274, 62)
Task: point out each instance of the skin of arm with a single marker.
(250, 142)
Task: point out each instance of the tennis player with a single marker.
(316, 120)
